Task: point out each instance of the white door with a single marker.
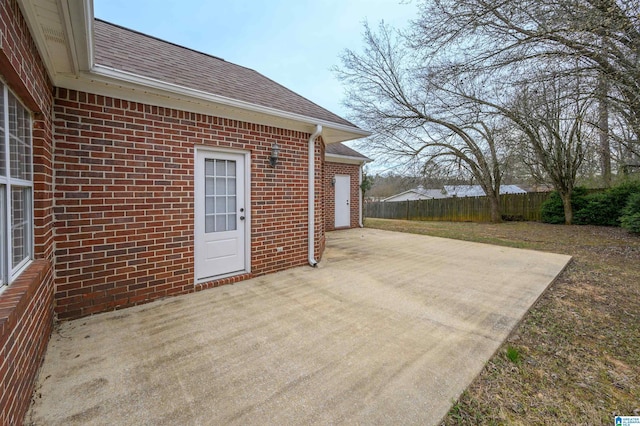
(220, 224)
(343, 201)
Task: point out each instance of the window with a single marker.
(220, 195)
(16, 187)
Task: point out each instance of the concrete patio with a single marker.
(388, 330)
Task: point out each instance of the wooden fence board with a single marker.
(467, 209)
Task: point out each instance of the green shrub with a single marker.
(630, 218)
(598, 210)
(552, 210)
(605, 208)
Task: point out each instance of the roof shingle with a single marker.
(130, 51)
(340, 149)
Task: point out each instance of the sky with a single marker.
(293, 42)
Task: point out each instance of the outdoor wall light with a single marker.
(275, 153)
(333, 181)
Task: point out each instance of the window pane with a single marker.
(208, 167)
(3, 240)
(3, 168)
(221, 223)
(221, 205)
(221, 184)
(209, 204)
(20, 224)
(209, 224)
(231, 168)
(221, 169)
(13, 114)
(231, 222)
(19, 141)
(208, 186)
(231, 186)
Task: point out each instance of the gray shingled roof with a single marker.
(477, 191)
(126, 50)
(340, 149)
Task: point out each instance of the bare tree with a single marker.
(553, 118)
(413, 117)
(600, 38)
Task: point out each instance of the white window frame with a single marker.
(8, 272)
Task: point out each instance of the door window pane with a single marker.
(209, 223)
(209, 187)
(231, 221)
(221, 204)
(220, 195)
(221, 223)
(231, 168)
(209, 168)
(221, 167)
(221, 185)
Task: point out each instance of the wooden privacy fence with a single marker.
(467, 209)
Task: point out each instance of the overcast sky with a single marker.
(294, 42)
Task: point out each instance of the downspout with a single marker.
(360, 195)
(312, 195)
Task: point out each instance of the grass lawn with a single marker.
(575, 357)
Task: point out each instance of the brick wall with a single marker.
(330, 170)
(124, 199)
(26, 306)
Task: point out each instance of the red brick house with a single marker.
(133, 169)
(342, 179)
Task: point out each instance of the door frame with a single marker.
(247, 221)
(335, 201)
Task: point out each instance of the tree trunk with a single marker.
(603, 131)
(494, 208)
(568, 209)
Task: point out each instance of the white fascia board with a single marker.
(78, 20)
(136, 84)
(346, 159)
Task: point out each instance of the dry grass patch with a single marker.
(575, 358)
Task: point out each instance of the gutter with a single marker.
(360, 224)
(104, 74)
(311, 195)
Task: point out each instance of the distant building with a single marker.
(461, 191)
(450, 191)
(419, 193)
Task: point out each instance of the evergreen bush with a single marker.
(630, 218)
(605, 208)
(552, 210)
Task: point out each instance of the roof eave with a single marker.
(346, 159)
(78, 17)
(64, 37)
(113, 82)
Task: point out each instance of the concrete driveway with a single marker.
(388, 330)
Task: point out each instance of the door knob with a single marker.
(241, 217)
